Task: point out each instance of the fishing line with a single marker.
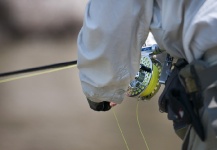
(35, 74)
(58, 67)
(48, 69)
(138, 122)
(122, 134)
(140, 129)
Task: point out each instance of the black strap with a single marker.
(186, 140)
(207, 76)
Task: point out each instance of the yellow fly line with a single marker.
(8, 79)
(140, 129)
(4, 80)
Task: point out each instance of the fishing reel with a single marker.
(153, 72)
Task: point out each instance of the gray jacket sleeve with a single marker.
(109, 46)
(199, 34)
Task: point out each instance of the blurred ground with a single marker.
(49, 112)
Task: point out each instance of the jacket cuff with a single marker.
(101, 106)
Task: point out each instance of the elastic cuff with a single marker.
(101, 106)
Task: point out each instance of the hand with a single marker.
(112, 104)
(101, 106)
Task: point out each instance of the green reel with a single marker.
(146, 83)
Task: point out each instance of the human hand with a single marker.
(101, 106)
(112, 104)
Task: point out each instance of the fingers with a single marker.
(112, 104)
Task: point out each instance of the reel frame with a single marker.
(146, 83)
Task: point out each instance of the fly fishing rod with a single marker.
(28, 70)
(151, 75)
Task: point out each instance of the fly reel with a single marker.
(146, 83)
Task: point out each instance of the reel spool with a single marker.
(146, 83)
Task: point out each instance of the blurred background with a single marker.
(49, 112)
